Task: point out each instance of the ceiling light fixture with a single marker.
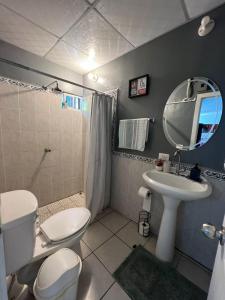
(93, 76)
(207, 25)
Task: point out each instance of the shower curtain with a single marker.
(98, 175)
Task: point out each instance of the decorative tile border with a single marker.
(24, 85)
(184, 166)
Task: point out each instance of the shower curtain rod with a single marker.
(17, 65)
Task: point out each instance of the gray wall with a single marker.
(10, 52)
(169, 60)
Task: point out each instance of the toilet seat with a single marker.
(64, 224)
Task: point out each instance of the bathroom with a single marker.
(68, 74)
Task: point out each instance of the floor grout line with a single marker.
(107, 290)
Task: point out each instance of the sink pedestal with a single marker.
(166, 237)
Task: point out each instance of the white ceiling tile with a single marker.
(69, 57)
(143, 20)
(56, 16)
(21, 33)
(94, 34)
(198, 7)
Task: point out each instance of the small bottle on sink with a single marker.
(195, 173)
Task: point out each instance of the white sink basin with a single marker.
(175, 186)
(173, 189)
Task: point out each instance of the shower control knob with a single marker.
(211, 232)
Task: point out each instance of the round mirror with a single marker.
(192, 113)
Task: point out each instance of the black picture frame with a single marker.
(139, 86)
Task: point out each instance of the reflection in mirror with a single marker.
(192, 113)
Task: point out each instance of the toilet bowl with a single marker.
(58, 276)
(24, 241)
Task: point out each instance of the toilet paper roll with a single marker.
(144, 228)
(143, 192)
(146, 194)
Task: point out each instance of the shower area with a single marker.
(44, 139)
(42, 144)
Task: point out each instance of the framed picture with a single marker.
(139, 86)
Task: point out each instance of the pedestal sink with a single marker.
(173, 189)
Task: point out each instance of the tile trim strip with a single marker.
(220, 176)
(22, 84)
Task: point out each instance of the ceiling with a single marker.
(82, 35)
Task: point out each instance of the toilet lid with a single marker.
(65, 223)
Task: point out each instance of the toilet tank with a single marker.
(18, 220)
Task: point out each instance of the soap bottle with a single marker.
(195, 173)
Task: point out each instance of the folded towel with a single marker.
(133, 133)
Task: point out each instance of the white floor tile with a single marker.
(116, 293)
(114, 221)
(81, 249)
(129, 234)
(151, 244)
(194, 273)
(96, 235)
(94, 281)
(104, 213)
(112, 253)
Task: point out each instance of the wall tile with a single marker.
(43, 141)
(10, 119)
(55, 103)
(42, 102)
(11, 140)
(31, 122)
(8, 97)
(28, 141)
(27, 99)
(55, 120)
(43, 121)
(27, 119)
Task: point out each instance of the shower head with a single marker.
(56, 89)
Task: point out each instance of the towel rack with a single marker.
(151, 120)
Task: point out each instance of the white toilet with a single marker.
(26, 242)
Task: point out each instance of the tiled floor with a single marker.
(106, 243)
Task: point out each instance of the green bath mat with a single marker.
(144, 277)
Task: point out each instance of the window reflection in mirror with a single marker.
(192, 113)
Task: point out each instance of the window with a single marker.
(73, 102)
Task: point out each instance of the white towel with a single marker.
(133, 133)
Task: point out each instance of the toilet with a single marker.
(27, 242)
(58, 276)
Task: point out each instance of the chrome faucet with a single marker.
(178, 155)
